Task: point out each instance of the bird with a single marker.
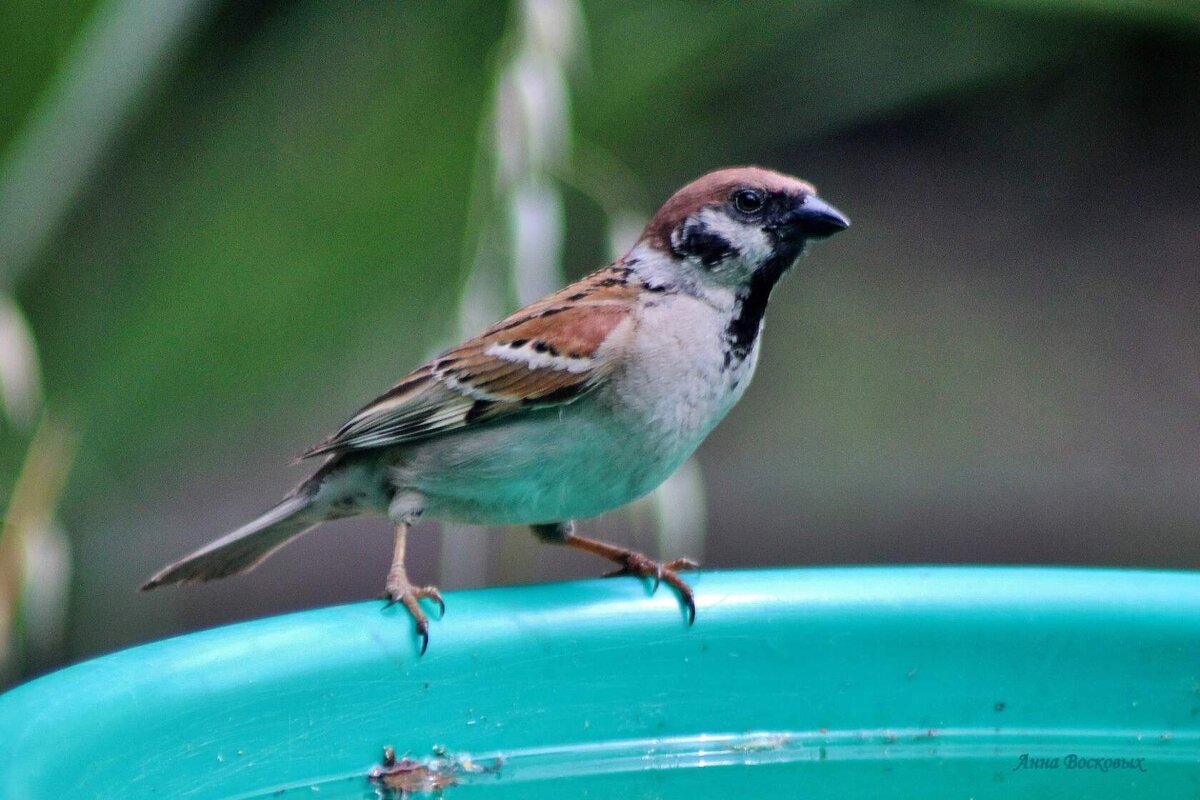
(575, 405)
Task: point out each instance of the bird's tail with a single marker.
(245, 548)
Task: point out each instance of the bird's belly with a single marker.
(552, 465)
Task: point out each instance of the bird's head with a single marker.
(740, 226)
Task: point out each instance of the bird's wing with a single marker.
(548, 353)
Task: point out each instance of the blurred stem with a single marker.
(35, 498)
(20, 371)
(605, 180)
(512, 249)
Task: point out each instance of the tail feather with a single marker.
(245, 548)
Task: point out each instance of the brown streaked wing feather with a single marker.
(547, 353)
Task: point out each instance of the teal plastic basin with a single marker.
(858, 682)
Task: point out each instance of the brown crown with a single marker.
(713, 188)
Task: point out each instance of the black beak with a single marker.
(813, 218)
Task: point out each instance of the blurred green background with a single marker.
(225, 226)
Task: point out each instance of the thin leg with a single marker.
(631, 561)
(399, 590)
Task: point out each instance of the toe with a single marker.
(658, 576)
(432, 593)
(685, 593)
(408, 596)
(420, 621)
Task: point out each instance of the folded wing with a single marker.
(549, 353)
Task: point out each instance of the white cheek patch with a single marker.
(749, 240)
(530, 356)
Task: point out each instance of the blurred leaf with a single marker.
(1151, 11)
(291, 199)
(34, 40)
(676, 92)
(262, 250)
(110, 68)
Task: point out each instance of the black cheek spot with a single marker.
(518, 343)
(699, 241)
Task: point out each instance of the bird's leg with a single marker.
(400, 590)
(631, 562)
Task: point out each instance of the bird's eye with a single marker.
(748, 201)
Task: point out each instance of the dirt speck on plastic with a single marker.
(407, 776)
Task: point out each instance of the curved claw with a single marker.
(643, 566)
(433, 594)
(410, 598)
(689, 600)
(423, 632)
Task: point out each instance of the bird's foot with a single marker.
(634, 563)
(399, 590)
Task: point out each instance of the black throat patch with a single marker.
(743, 328)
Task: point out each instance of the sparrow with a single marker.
(575, 405)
